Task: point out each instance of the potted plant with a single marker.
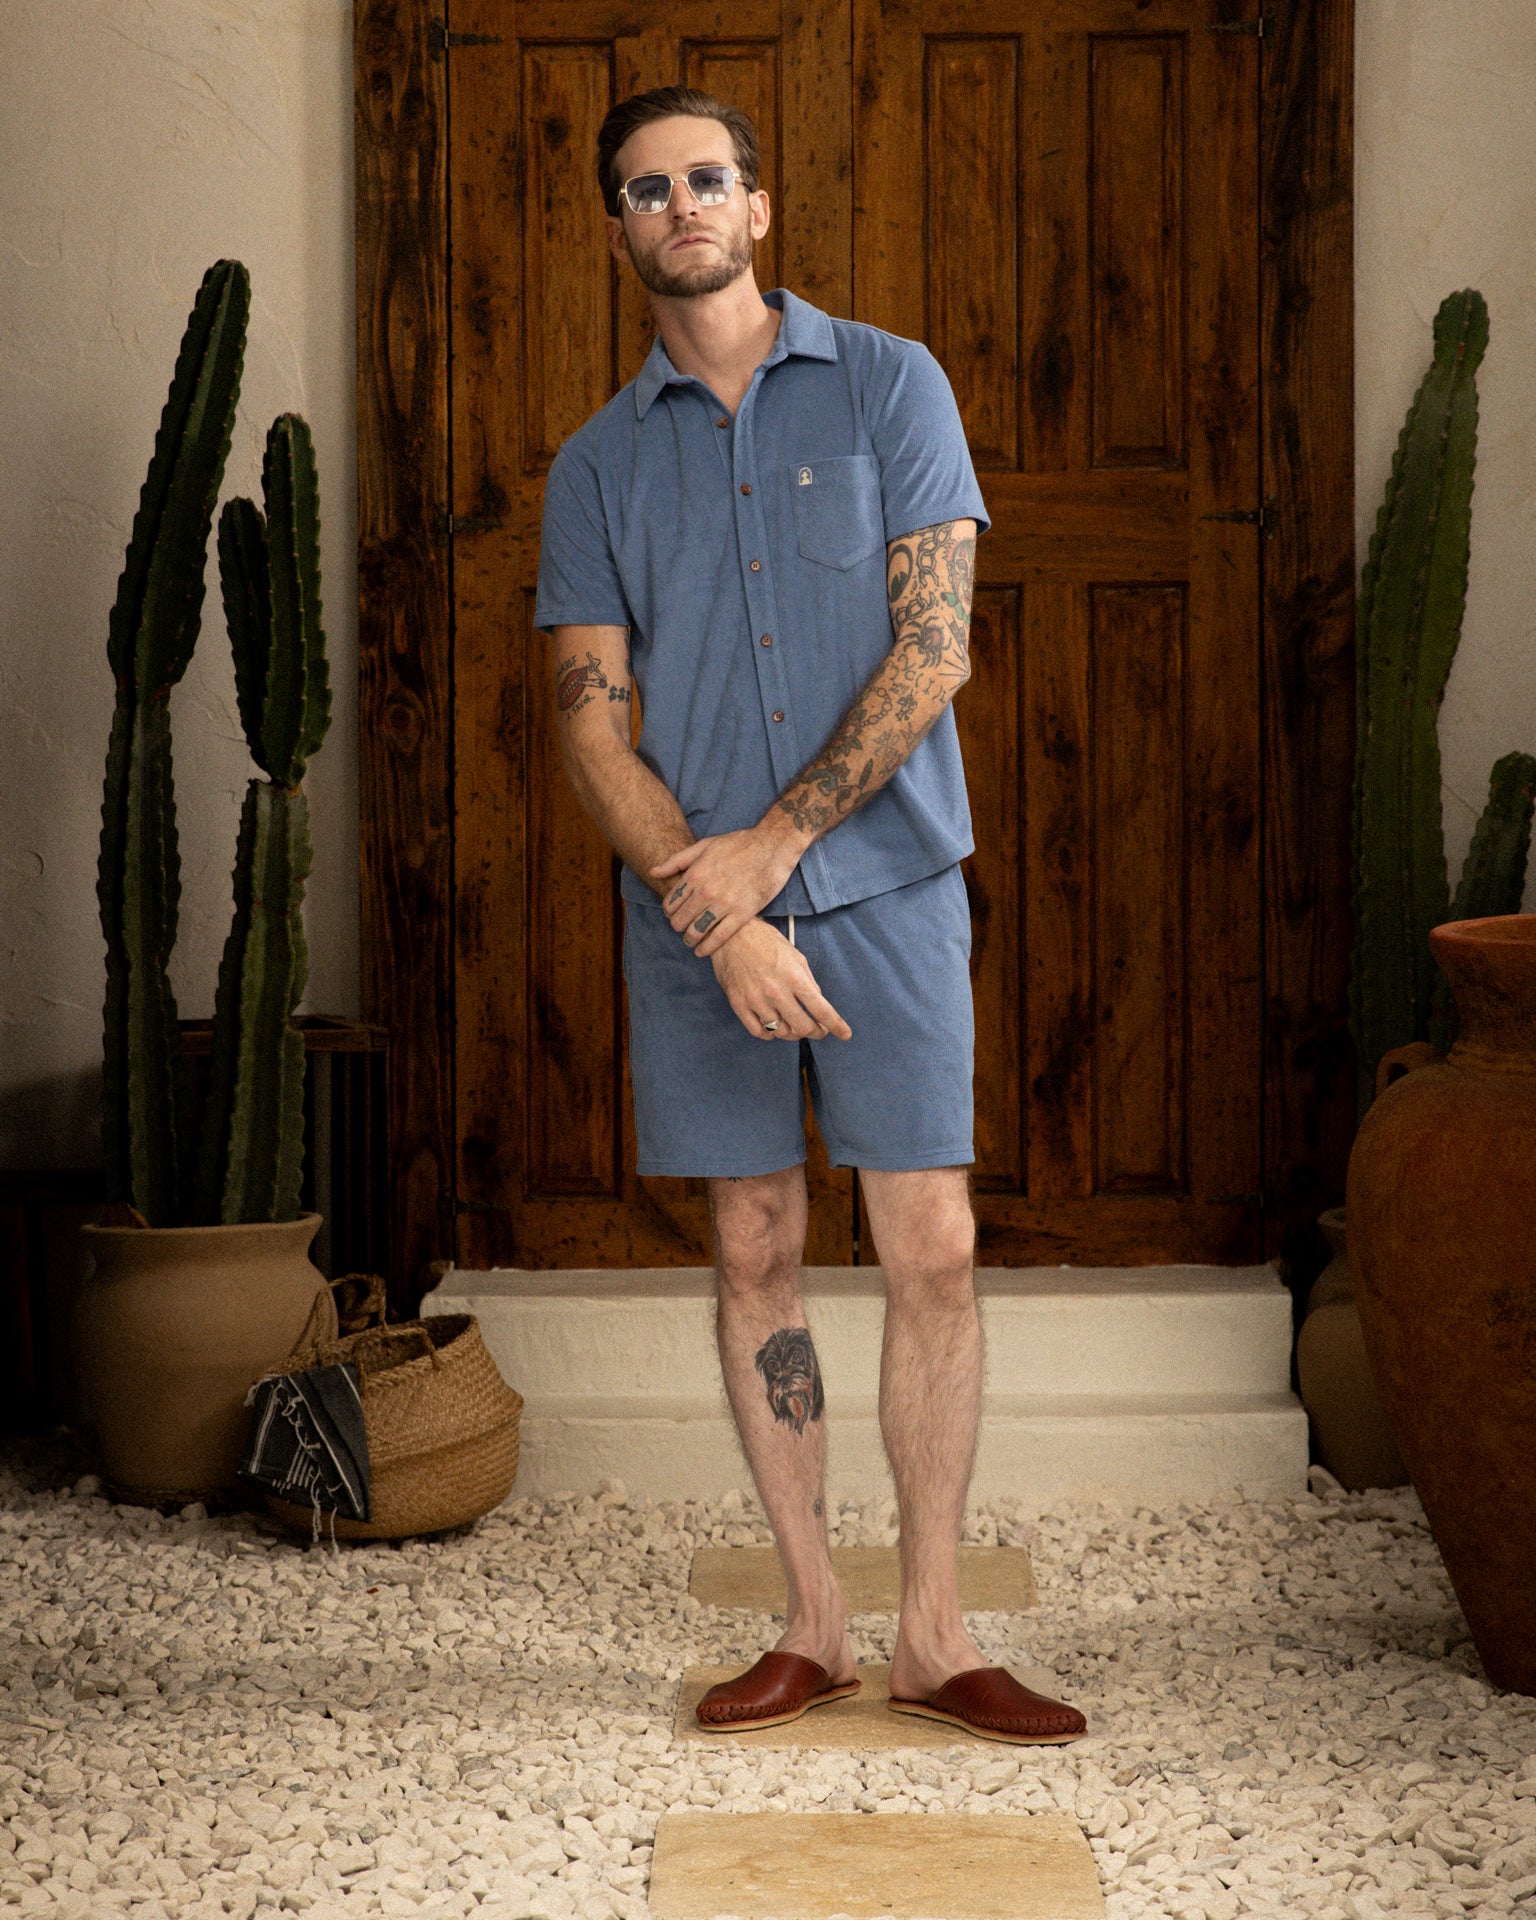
(1442, 1179)
(202, 1277)
(1412, 593)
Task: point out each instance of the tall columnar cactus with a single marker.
(269, 568)
(1493, 875)
(152, 633)
(1412, 593)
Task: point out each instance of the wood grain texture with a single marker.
(447, 811)
(1128, 746)
(546, 1171)
(1309, 585)
(404, 717)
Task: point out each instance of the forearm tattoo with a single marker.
(930, 582)
(787, 1362)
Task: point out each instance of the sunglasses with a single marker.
(711, 186)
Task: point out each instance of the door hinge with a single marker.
(439, 39)
(1262, 517)
(469, 522)
(1255, 27)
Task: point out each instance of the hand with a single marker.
(725, 880)
(765, 978)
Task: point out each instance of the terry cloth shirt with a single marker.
(748, 560)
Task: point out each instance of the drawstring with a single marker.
(791, 929)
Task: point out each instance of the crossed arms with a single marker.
(714, 889)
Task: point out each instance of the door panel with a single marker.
(1089, 272)
(1059, 196)
(545, 332)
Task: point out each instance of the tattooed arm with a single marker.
(762, 976)
(639, 818)
(725, 879)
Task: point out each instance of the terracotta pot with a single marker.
(1349, 1427)
(1442, 1227)
(170, 1331)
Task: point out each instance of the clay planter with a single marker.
(1350, 1429)
(1442, 1229)
(170, 1331)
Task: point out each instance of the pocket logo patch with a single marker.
(805, 476)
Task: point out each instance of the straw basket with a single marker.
(442, 1424)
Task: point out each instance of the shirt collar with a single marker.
(805, 331)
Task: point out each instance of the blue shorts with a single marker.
(711, 1101)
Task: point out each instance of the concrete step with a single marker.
(1149, 1383)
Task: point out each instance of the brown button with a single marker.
(779, 715)
(745, 488)
(723, 421)
(755, 565)
(767, 640)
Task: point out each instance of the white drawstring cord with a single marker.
(791, 929)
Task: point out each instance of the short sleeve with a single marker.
(926, 476)
(579, 584)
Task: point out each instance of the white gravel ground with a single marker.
(205, 1717)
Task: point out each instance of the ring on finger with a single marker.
(770, 1026)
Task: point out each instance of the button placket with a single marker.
(762, 608)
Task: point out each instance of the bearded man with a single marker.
(771, 534)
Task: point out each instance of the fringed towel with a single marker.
(308, 1440)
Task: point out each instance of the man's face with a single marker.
(686, 250)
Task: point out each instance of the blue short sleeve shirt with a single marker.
(747, 558)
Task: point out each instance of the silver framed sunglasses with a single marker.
(710, 185)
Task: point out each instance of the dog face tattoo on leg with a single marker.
(787, 1362)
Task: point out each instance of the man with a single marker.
(771, 534)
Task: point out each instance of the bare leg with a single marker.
(930, 1406)
(773, 1383)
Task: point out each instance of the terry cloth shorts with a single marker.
(713, 1101)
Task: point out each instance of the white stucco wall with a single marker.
(1445, 197)
(142, 139)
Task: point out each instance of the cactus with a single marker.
(152, 632)
(269, 568)
(1493, 875)
(1412, 593)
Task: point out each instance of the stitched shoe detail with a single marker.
(775, 1688)
(991, 1702)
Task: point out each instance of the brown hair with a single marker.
(665, 103)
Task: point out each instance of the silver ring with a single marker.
(770, 1026)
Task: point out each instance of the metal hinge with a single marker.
(469, 522)
(1255, 27)
(439, 39)
(1262, 517)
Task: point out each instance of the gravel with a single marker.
(204, 1716)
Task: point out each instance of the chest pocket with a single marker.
(838, 516)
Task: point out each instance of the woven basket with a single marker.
(442, 1424)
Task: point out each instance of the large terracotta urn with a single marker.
(169, 1332)
(1441, 1204)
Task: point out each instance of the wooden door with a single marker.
(1060, 197)
(544, 331)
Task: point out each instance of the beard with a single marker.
(699, 277)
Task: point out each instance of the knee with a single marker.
(936, 1269)
(757, 1249)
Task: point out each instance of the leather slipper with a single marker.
(988, 1701)
(777, 1688)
